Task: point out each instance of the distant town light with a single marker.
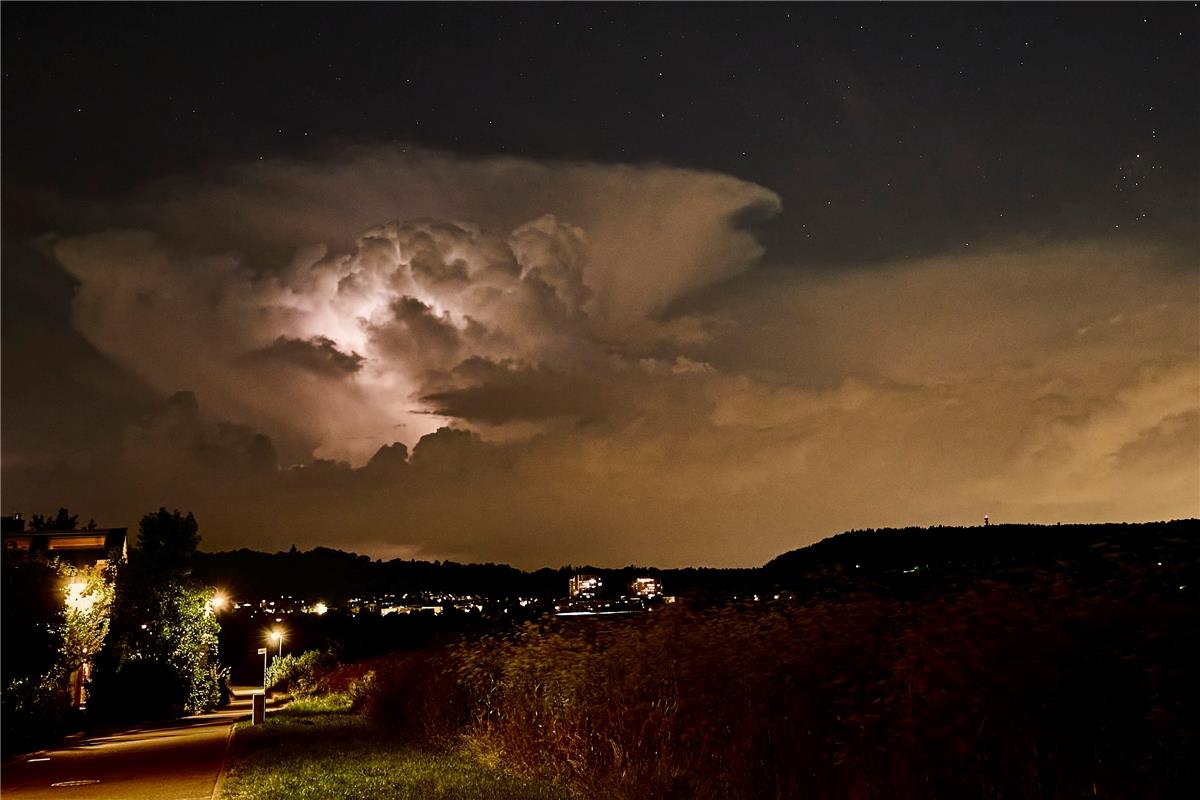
(320, 608)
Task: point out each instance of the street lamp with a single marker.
(218, 601)
(277, 636)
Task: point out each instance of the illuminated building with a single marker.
(644, 587)
(94, 548)
(584, 587)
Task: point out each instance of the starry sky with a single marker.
(545, 284)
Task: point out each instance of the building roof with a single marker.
(77, 547)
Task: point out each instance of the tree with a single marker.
(62, 521)
(167, 540)
(88, 596)
(160, 658)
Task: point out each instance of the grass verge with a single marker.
(320, 750)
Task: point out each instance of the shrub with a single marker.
(35, 708)
(297, 673)
(417, 695)
(149, 689)
(339, 678)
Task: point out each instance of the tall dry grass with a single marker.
(1004, 691)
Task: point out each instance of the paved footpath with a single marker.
(179, 760)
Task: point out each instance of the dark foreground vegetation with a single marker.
(1066, 677)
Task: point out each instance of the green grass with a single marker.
(320, 750)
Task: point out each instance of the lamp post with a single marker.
(274, 636)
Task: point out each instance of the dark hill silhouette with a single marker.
(912, 561)
(886, 549)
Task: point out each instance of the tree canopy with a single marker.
(63, 520)
(167, 539)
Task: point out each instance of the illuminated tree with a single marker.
(87, 603)
(55, 619)
(161, 657)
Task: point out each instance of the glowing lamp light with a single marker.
(276, 636)
(79, 599)
(320, 608)
(218, 601)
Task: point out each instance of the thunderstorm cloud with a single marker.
(411, 353)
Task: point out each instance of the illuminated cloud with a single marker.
(332, 352)
(550, 363)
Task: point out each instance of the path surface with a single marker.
(179, 760)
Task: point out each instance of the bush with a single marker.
(417, 695)
(35, 709)
(297, 673)
(147, 689)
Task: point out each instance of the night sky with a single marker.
(671, 284)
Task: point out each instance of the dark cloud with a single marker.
(389, 460)
(318, 354)
(416, 334)
(179, 436)
(496, 393)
